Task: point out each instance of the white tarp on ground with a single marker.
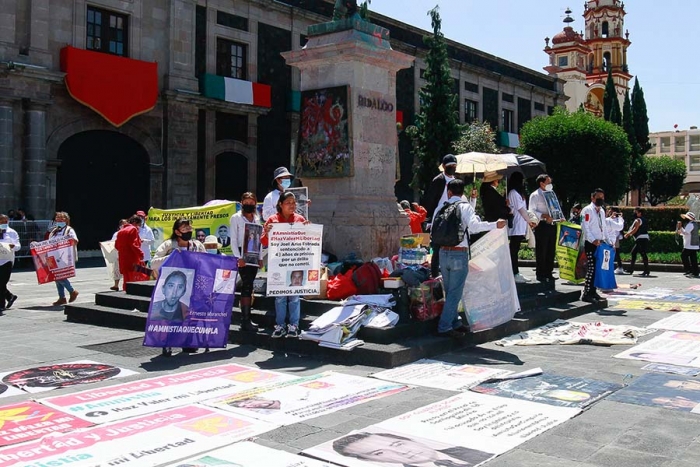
(673, 348)
(440, 375)
(681, 321)
(468, 427)
(570, 332)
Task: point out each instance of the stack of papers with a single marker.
(337, 325)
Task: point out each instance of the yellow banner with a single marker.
(569, 252)
(656, 305)
(206, 220)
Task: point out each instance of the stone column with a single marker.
(181, 162)
(359, 212)
(34, 180)
(7, 184)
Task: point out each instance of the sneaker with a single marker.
(645, 274)
(60, 301)
(520, 279)
(292, 331)
(278, 332)
(73, 296)
(619, 271)
(11, 301)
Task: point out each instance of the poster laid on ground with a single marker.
(296, 400)
(683, 297)
(9, 391)
(569, 252)
(111, 403)
(673, 369)
(251, 244)
(192, 301)
(302, 196)
(564, 332)
(214, 220)
(248, 454)
(27, 421)
(152, 439)
(673, 348)
(62, 375)
(658, 390)
(481, 425)
(559, 390)
(384, 447)
(111, 256)
(294, 259)
(441, 375)
(682, 321)
(656, 305)
(490, 297)
(54, 259)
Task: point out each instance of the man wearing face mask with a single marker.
(281, 180)
(597, 229)
(545, 232)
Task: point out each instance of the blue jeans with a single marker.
(281, 310)
(454, 266)
(62, 286)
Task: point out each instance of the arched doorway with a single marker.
(103, 176)
(231, 176)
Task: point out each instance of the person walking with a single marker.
(640, 230)
(545, 232)
(617, 236)
(62, 229)
(128, 244)
(597, 230)
(521, 219)
(116, 275)
(281, 180)
(454, 259)
(246, 217)
(146, 236)
(689, 256)
(286, 213)
(8, 237)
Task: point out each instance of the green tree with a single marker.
(581, 151)
(437, 125)
(638, 170)
(609, 97)
(478, 137)
(640, 118)
(666, 177)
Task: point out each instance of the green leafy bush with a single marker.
(659, 242)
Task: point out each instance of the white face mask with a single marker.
(286, 183)
(212, 251)
(548, 187)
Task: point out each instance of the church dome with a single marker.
(567, 35)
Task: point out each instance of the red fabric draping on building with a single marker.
(117, 88)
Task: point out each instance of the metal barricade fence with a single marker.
(30, 231)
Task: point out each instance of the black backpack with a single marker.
(447, 226)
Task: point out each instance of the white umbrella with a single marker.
(480, 162)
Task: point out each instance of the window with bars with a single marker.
(471, 111)
(231, 59)
(107, 32)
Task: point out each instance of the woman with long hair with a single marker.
(516, 233)
(62, 229)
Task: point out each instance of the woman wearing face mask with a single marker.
(247, 215)
(9, 237)
(63, 229)
(180, 239)
(282, 180)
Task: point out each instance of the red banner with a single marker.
(54, 259)
(117, 88)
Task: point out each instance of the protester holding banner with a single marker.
(62, 229)
(180, 239)
(286, 213)
(546, 231)
(244, 225)
(10, 244)
(521, 219)
(128, 244)
(281, 180)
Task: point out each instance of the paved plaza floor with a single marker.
(606, 434)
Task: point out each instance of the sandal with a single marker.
(116, 289)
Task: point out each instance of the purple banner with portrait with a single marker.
(192, 301)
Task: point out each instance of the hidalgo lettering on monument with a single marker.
(374, 103)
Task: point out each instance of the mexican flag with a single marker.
(236, 90)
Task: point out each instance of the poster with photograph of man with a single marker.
(171, 297)
(302, 195)
(251, 244)
(375, 446)
(222, 236)
(569, 237)
(673, 392)
(297, 278)
(553, 205)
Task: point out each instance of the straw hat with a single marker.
(491, 176)
(689, 215)
(212, 240)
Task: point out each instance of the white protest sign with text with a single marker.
(294, 259)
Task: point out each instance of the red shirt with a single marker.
(417, 218)
(278, 219)
(128, 244)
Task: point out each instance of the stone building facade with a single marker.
(192, 146)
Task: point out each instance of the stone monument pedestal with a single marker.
(359, 212)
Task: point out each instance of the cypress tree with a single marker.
(609, 97)
(639, 118)
(437, 125)
(638, 172)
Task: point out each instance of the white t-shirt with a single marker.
(686, 232)
(270, 204)
(516, 202)
(147, 239)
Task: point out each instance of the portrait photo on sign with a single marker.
(296, 278)
(673, 392)
(302, 196)
(201, 233)
(553, 205)
(171, 298)
(569, 237)
(380, 446)
(251, 243)
(222, 235)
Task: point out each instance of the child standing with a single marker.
(690, 244)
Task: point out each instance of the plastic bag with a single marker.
(424, 302)
(341, 286)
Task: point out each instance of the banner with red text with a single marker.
(54, 259)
